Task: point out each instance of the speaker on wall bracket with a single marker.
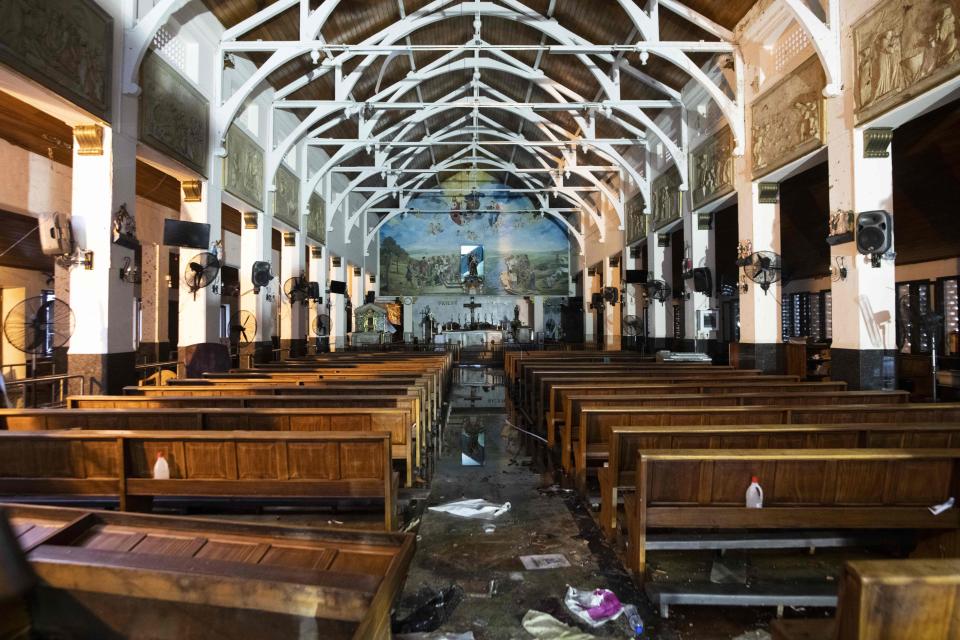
(874, 234)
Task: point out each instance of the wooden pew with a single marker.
(558, 392)
(512, 359)
(574, 405)
(109, 575)
(256, 464)
(914, 599)
(409, 403)
(594, 426)
(803, 489)
(397, 422)
(625, 442)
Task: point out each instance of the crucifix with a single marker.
(473, 306)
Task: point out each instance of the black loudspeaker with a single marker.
(596, 300)
(636, 276)
(369, 297)
(874, 232)
(702, 280)
(338, 286)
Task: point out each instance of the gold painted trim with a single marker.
(89, 138)
(192, 190)
(249, 220)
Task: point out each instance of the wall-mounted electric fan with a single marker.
(657, 290)
(37, 326)
(763, 267)
(631, 326)
(201, 271)
(611, 295)
(243, 327)
(321, 325)
(296, 289)
(261, 274)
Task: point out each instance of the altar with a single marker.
(470, 339)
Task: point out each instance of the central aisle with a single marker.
(543, 520)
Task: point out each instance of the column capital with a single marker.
(192, 190)
(89, 139)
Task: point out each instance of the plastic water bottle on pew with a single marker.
(754, 494)
(161, 470)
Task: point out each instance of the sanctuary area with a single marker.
(479, 319)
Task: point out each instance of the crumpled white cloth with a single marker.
(543, 626)
(477, 508)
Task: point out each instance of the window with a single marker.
(137, 322)
(949, 299)
(46, 310)
(795, 315)
(224, 321)
(914, 302)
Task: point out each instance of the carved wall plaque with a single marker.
(65, 46)
(787, 120)
(243, 168)
(711, 168)
(286, 197)
(665, 192)
(636, 219)
(904, 47)
(174, 116)
(317, 219)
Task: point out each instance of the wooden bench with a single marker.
(803, 489)
(624, 443)
(559, 392)
(397, 422)
(595, 423)
(256, 464)
(574, 405)
(513, 359)
(108, 575)
(914, 599)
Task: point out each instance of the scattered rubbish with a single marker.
(728, 570)
(434, 609)
(489, 528)
(476, 508)
(545, 627)
(161, 470)
(634, 621)
(338, 522)
(754, 494)
(593, 607)
(937, 509)
(544, 561)
(516, 576)
(436, 636)
(411, 525)
(758, 634)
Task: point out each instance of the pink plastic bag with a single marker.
(593, 607)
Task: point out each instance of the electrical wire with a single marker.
(22, 238)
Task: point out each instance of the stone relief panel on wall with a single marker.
(317, 219)
(787, 120)
(174, 116)
(66, 46)
(904, 47)
(243, 168)
(636, 219)
(711, 168)
(286, 197)
(666, 195)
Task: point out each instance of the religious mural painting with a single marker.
(524, 253)
(787, 121)
(903, 48)
(316, 219)
(174, 116)
(666, 196)
(636, 219)
(711, 169)
(243, 168)
(64, 45)
(286, 197)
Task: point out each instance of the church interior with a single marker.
(479, 319)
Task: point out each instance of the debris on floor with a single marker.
(477, 508)
(595, 607)
(543, 626)
(432, 611)
(544, 561)
(435, 636)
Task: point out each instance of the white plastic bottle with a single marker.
(754, 494)
(161, 470)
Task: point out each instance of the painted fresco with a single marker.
(636, 219)
(523, 253)
(667, 200)
(64, 45)
(711, 168)
(174, 116)
(243, 168)
(904, 47)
